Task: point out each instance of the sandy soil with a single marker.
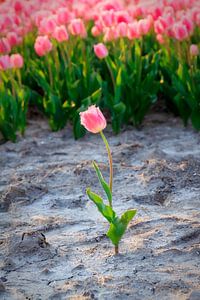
(42, 193)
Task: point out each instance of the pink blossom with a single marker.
(95, 31)
(16, 61)
(12, 38)
(160, 38)
(4, 46)
(60, 34)
(110, 34)
(42, 45)
(77, 27)
(180, 31)
(47, 26)
(100, 50)
(194, 50)
(5, 62)
(122, 29)
(144, 26)
(93, 119)
(63, 16)
(133, 31)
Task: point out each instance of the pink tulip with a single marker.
(133, 31)
(110, 34)
(194, 50)
(4, 46)
(144, 25)
(93, 119)
(5, 62)
(63, 16)
(42, 45)
(95, 31)
(77, 27)
(12, 38)
(47, 26)
(160, 39)
(100, 50)
(16, 61)
(122, 29)
(180, 31)
(108, 18)
(60, 34)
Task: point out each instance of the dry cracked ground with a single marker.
(53, 243)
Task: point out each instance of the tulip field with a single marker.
(99, 149)
(124, 56)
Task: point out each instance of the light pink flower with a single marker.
(12, 38)
(95, 31)
(16, 61)
(100, 50)
(77, 27)
(4, 46)
(5, 62)
(60, 34)
(194, 50)
(133, 31)
(42, 45)
(180, 31)
(93, 119)
(47, 26)
(122, 29)
(63, 15)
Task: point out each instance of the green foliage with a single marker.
(118, 225)
(126, 83)
(13, 110)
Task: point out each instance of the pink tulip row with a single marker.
(112, 20)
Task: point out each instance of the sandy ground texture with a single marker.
(53, 243)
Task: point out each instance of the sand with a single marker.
(64, 253)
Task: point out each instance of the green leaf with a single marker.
(105, 210)
(78, 130)
(103, 183)
(118, 84)
(119, 226)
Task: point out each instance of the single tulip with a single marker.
(42, 45)
(100, 50)
(60, 34)
(194, 50)
(77, 27)
(16, 61)
(5, 62)
(93, 119)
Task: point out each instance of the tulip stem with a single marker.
(110, 163)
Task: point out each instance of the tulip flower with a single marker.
(16, 61)
(194, 50)
(100, 50)
(42, 45)
(94, 121)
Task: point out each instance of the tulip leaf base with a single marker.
(118, 225)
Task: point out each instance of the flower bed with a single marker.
(63, 56)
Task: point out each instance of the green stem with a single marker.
(111, 73)
(110, 162)
(116, 249)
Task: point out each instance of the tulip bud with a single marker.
(16, 61)
(93, 119)
(100, 50)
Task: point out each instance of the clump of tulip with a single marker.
(122, 53)
(94, 121)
